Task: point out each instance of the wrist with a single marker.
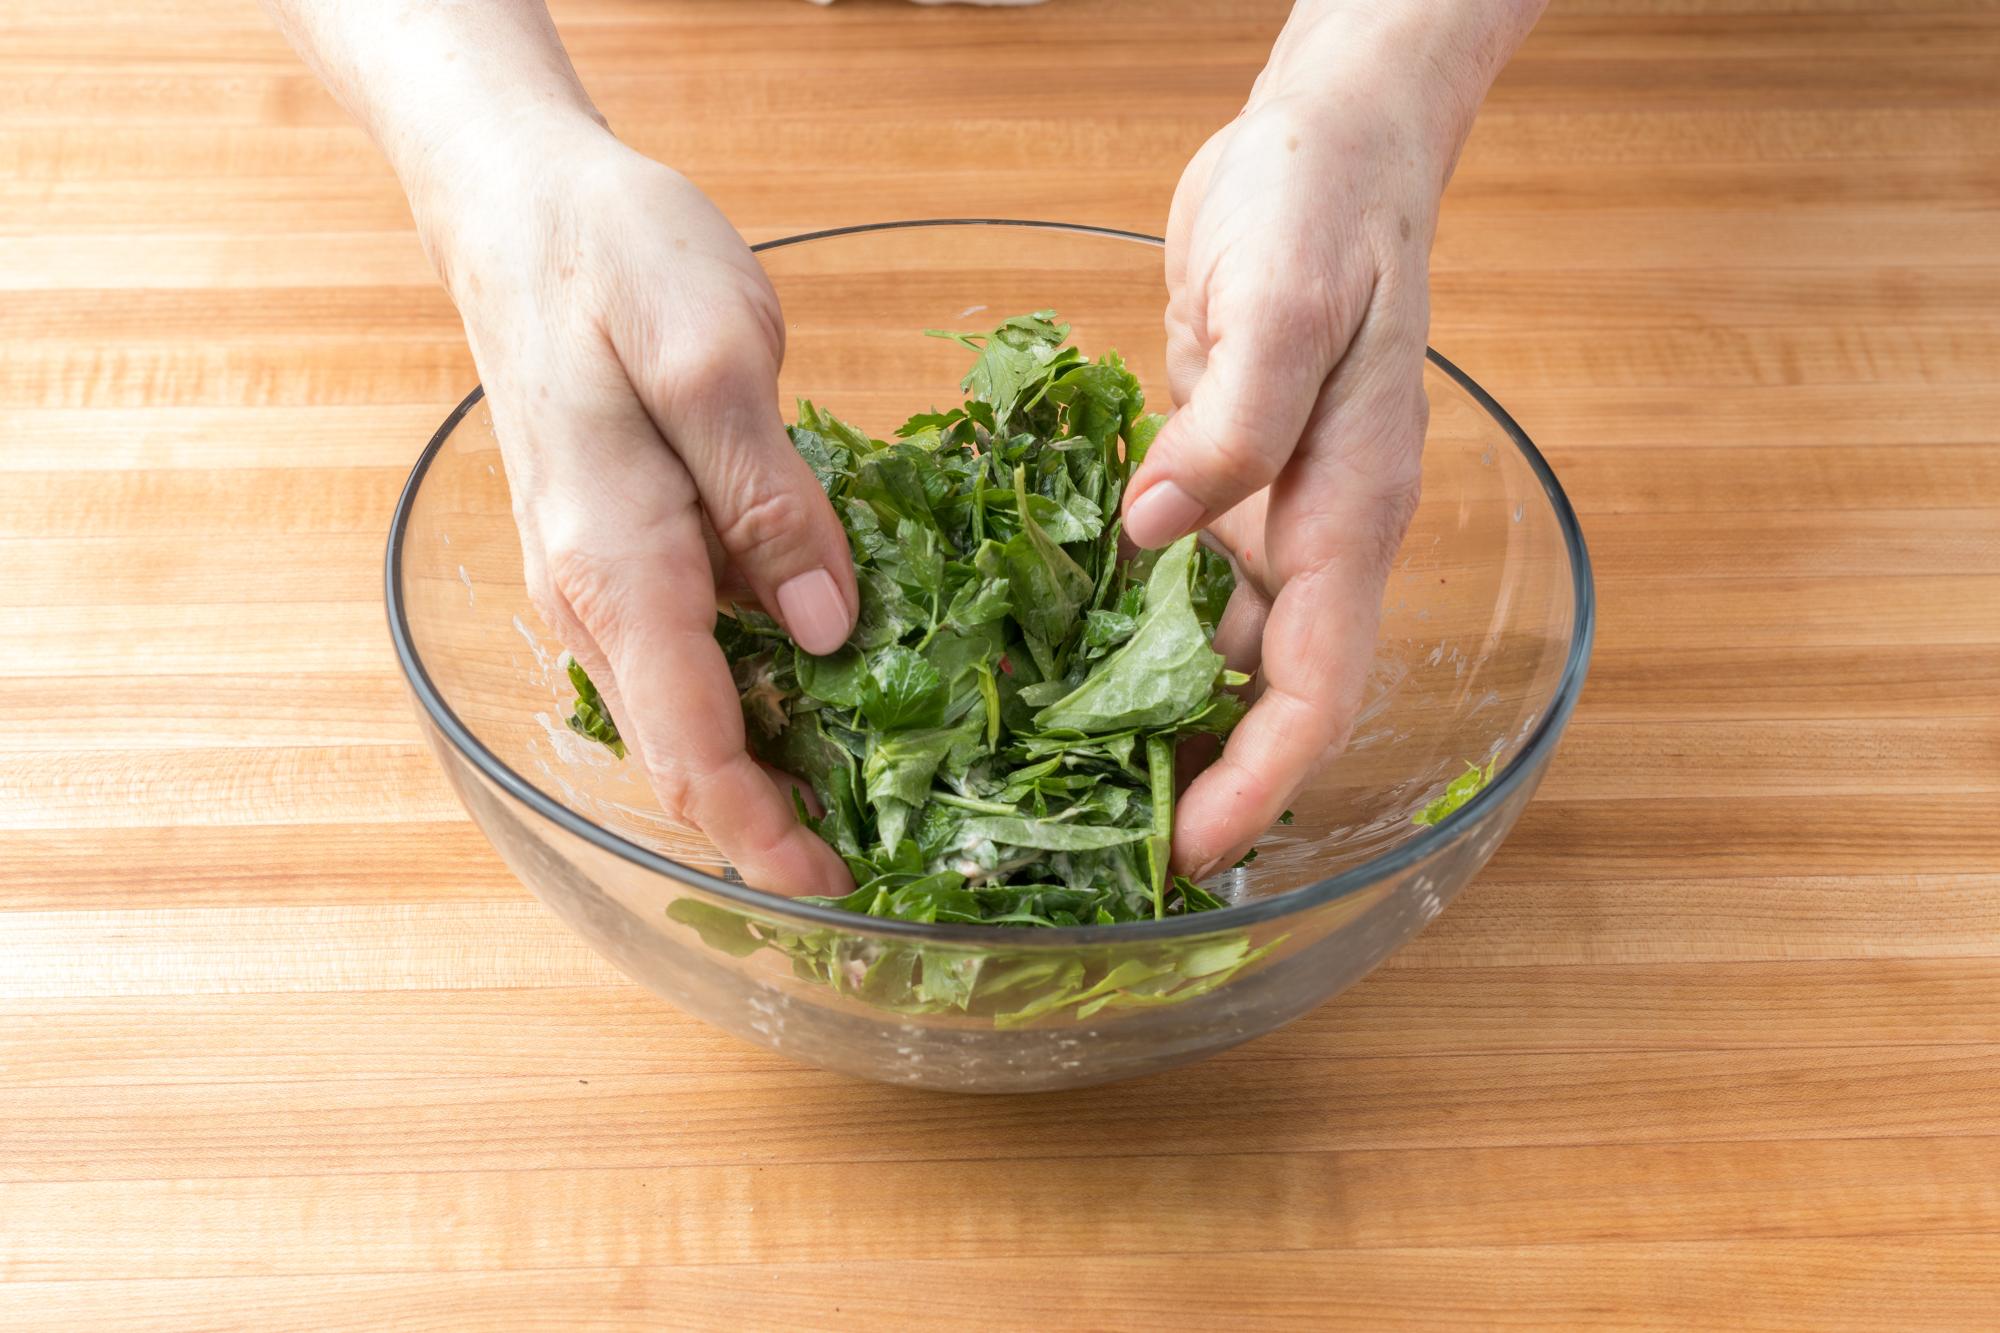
(456, 150)
(499, 168)
(1427, 64)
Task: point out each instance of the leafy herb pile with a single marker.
(995, 742)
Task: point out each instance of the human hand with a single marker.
(629, 344)
(1296, 265)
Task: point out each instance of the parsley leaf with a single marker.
(902, 691)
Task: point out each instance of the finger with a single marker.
(1239, 636)
(717, 407)
(731, 587)
(629, 565)
(1240, 532)
(1337, 523)
(1300, 719)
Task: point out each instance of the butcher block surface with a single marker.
(1714, 1041)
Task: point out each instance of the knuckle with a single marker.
(760, 302)
(1360, 532)
(1295, 314)
(542, 595)
(772, 521)
(1334, 746)
(588, 586)
(1323, 719)
(702, 362)
(1303, 312)
(675, 792)
(1395, 456)
(1383, 537)
(548, 600)
(1390, 462)
(711, 375)
(1378, 439)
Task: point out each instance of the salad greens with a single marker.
(1008, 986)
(995, 742)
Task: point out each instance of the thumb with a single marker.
(719, 413)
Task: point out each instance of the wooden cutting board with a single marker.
(1714, 1041)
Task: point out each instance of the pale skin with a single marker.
(630, 344)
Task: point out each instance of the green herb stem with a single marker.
(1160, 771)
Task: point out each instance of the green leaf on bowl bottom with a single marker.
(1008, 987)
(719, 928)
(1461, 789)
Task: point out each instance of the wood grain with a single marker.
(1714, 1042)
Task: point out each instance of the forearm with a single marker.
(1444, 53)
(440, 85)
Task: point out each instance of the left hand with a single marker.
(1296, 264)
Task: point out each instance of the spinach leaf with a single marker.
(1107, 629)
(1050, 588)
(979, 601)
(1214, 581)
(839, 678)
(829, 427)
(900, 765)
(1162, 674)
(1047, 835)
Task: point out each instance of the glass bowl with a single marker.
(1485, 637)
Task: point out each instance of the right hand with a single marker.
(629, 344)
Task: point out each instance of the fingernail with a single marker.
(1162, 514)
(814, 611)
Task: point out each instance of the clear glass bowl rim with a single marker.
(1274, 907)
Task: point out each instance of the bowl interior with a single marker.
(1481, 618)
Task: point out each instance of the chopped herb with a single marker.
(995, 742)
(590, 718)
